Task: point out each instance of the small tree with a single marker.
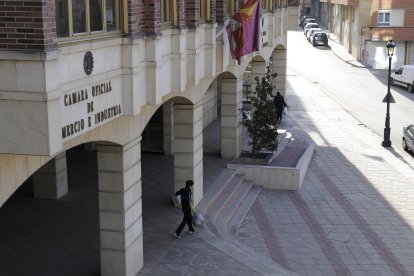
(262, 125)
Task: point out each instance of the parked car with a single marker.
(308, 20)
(408, 137)
(404, 76)
(302, 18)
(319, 39)
(312, 31)
(308, 26)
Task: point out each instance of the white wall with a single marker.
(377, 58)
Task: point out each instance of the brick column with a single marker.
(51, 180)
(120, 208)
(135, 18)
(231, 128)
(180, 14)
(188, 147)
(279, 67)
(192, 13)
(213, 9)
(152, 17)
(28, 25)
(258, 70)
(221, 10)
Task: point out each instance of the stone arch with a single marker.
(279, 63)
(229, 102)
(96, 216)
(257, 69)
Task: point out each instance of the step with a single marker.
(215, 189)
(221, 201)
(238, 217)
(232, 206)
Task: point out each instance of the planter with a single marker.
(263, 158)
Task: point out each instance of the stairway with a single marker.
(225, 205)
(227, 202)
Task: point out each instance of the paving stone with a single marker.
(339, 237)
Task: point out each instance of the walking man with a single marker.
(186, 198)
(280, 104)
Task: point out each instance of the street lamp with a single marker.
(387, 142)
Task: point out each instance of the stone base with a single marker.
(257, 158)
(276, 178)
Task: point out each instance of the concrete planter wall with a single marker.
(277, 178)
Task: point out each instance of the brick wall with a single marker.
(192, 13)
(221, 10)
(152, 16)
(28, 25)
(293, 3)
(407, 6)
(213, 5)
(135, 18)
(180, 14)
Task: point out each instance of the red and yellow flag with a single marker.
(244, 30)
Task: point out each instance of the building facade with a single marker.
(364, 27)
(120, 77)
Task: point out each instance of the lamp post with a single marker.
(387, 142)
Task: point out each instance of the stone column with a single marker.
(120, 208)
(258, 70)
(231, 128)
(279, 67)
(188, 147)
(168, 128)
(51, 180)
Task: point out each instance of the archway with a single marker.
(54, 236)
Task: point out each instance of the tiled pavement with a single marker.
(353, 216)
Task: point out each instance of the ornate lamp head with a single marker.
(390, 48)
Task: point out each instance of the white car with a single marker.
(311, 31)
(308, 26)
(404, 76)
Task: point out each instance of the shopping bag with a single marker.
(285, 111)
(198, 218)
(193, 209)
(176, 201)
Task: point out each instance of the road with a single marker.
(359, 90)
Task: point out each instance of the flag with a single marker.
(244, 30)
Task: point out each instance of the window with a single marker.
(167, 11)
(83, 17)
(411, 130)
(204, 10)
(230, 7)
(266, 4)
(384, 18)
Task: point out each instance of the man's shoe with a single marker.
(176, 236)
(192, 232)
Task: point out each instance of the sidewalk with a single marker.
(339, 50)
(353, 216)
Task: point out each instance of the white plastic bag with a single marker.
(198, 218)
(176, 201)
(285, 111)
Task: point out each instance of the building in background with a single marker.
(363, 27)
(305, 7)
